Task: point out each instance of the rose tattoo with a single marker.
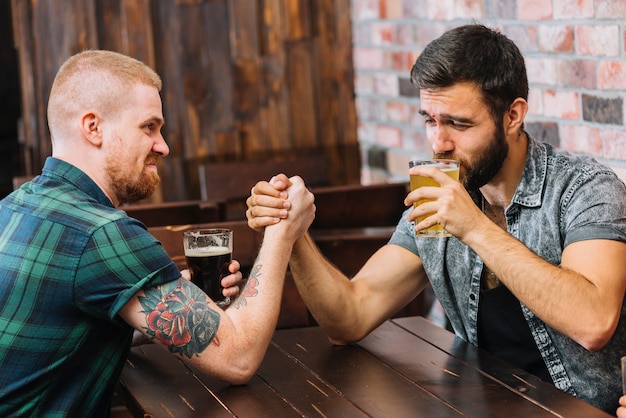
(178, 316)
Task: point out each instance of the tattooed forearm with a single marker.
(178, 316)
(250, 290)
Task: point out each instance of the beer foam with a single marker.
(207, 251)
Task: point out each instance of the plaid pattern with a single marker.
(68, 262)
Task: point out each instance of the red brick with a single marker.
(415, 119)
(470, 9)
(363, 83)
(614, 144)
(411, 58)
(361, 33)
(414, 9)
(388, 136)
(534, 9)
(416, 141)
(398, 62)
(390, 9)
(368, 58)
(612, 75)
(577, 73)
(365, 9)
(597, 40)
(383, 34)
(610, 9)
(441, 10)
(397, 111)
(426, 33)
(367, 108)
(535, 101)
(578, 138)
(502, 9)
(405, 34)
(366, 132)
(398, 161)
(524, 36)
(542, 70)
(573, 9)
(561, 104)
(386, 84)
(556, 38)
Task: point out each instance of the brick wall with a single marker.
(575, 52)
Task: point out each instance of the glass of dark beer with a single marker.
(208, 253)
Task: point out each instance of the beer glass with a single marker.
(451, 168)
(208, 253)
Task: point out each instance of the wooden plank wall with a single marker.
(243, 79)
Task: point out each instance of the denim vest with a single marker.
(560, 199)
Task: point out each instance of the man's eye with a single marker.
(458, 125)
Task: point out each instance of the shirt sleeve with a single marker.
(121, 258)
(404, 235)
(594, 207)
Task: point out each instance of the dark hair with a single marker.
(478, 55)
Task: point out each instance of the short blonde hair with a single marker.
(96, 80)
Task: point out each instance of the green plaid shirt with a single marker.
(68, 262)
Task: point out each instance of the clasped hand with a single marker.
(281, 198)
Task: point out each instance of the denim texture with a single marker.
(561, 199)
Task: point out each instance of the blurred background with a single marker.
(260, 80)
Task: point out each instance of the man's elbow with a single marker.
(598, 336)
(240, 377)
(239, 373)
(339, 337)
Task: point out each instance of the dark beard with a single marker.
(479, 172)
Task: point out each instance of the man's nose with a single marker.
(440, 141)
(160, 147)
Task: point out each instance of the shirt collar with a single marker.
(530, 188)
(60, 170)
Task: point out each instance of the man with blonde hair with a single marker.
(78, 275)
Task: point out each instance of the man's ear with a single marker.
(91, 129)
(514, 117)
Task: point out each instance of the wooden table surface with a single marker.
(407, 367)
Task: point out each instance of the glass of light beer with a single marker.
(451, 168)
(208, 253)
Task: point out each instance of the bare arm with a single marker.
(227, 344)
(346, 309)
(581, 298)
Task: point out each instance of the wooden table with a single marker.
(405, 368)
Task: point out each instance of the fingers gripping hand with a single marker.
(268, 202)
(233, 282)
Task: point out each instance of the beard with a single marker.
(477, 172)
(131, 188)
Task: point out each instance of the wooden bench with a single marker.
(227, 185)
(173, 213)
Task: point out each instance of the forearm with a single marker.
(254, 314)
(564, 299)
(326, 291)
